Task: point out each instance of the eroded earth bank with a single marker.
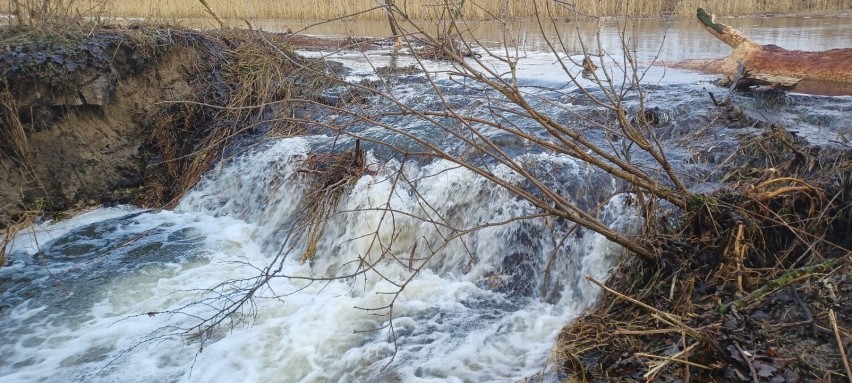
(134, 115)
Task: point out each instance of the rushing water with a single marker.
(76, 309)
(116, 294)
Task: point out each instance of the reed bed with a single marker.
(432, 9)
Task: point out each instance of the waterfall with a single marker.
(117, 293)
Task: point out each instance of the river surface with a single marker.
(123, 294)
(684, 38)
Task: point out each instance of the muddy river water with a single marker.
(118, 294)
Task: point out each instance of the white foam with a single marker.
(31, 239)
(447, 327)
(478, 310)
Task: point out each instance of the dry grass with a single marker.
(431, 9)
(15, 153)
(245, 88)
(332, 174)
(744, 251)
(37, 12)
(13, 138)
(8, 234)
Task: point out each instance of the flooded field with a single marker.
(675, 39)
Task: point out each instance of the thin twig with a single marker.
(686, 375)
(748, 362)
(213, 14)
(780, 283)
(647, 332)
(805, 309)
(843, 357)
(671, 359)
(734, 83)
(664, 315)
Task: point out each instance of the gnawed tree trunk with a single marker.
(771, 64)
(18, 11)
(212, 13)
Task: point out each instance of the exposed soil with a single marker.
(86, 149)
(134, 114)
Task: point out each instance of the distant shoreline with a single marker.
(428, 10)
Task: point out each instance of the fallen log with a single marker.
(771, 64)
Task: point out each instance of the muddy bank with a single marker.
(135, 114)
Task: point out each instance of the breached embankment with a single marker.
(134, 114)
(783, 191)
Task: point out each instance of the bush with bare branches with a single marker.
(685, 234)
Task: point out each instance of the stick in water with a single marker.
(213, 13)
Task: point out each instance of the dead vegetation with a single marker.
(56, 13)
(330, 175)
(244, 84)
(147, 109)
(756, 274)
(14, 146)
(732, 287)
(427, 10)
(710, 297)
(721, 288)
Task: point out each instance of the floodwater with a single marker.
(658, 41)
(124, 294)
(675, 39)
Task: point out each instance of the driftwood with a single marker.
(771, 64)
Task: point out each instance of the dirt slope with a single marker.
(117, 116)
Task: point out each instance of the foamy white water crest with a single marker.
(115, 299)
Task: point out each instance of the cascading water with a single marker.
(118, 294)
(116, 297)
(425, 272)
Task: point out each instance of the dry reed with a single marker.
(431, 9)
(35, 12)
(241, 92)
(332, 174)
(13, 138)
